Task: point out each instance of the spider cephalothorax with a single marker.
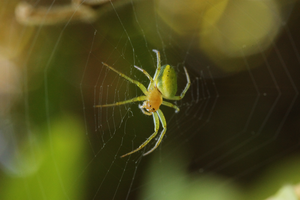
(154, 100)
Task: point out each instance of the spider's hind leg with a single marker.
(140, 85)
(158, 68)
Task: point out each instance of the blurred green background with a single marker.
(236, 136)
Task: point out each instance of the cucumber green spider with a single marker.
(162, 85)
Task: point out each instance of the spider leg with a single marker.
(144, 111)
(149, 77)
(158, 64)
(164, 125)
(145, 72)
(156, 127)
(140, 85)
(171, 105)
(187, 86)
(140, 98)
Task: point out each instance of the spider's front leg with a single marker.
(164, 125)
(156, 127)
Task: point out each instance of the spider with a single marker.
(162, 86)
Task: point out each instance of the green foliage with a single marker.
(55, 168)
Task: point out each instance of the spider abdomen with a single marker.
(167, 81)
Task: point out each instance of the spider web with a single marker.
(238, 125)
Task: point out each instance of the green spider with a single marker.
(162, 86)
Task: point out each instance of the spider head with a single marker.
(153, 102)
(150, 107)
